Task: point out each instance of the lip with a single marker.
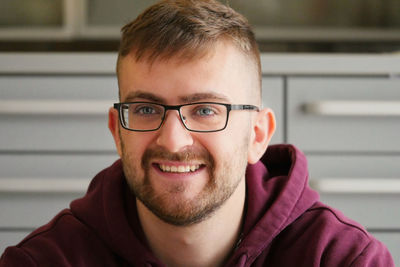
(177, 175)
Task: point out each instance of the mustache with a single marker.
(186, 155)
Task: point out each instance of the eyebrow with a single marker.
(197, 97)
(203, 97)
(132, 96)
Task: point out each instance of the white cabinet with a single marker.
(56, 112)
(344, 114)
(53, 137)
(283, 20)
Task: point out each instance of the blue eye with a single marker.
(205, 111)
(146, 110)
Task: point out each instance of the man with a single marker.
(190, 189)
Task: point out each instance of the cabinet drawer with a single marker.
(378, 211)
(344, 114)
(365, 188)
(58, 87)
(31, 210)
(56, 113)
(368, 166)
(272, 97)
(34, 188)
(52, 165)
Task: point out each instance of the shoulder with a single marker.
(332, 222)
(343, 237)
(323, 236)
(64, 241)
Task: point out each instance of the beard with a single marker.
(170, 206)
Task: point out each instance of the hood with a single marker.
(105, 208)
(277, 194)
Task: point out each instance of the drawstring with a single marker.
(242, 260)
(238, 242)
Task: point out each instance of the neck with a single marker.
(207, 243)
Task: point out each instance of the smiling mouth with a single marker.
(179, 169)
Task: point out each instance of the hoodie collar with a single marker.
(277, 194)
(104, 209)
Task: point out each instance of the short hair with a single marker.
(187, 29)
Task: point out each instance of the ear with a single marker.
(113, 125)
(263, 128)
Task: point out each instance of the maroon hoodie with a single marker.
(285, 225)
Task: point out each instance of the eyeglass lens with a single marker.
(196, 117)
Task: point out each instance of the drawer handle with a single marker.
(353, 108)
(37, 185)
(357, 186)
(54, 108)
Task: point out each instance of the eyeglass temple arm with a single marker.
(244, 107)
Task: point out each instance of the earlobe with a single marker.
(263, 130)
(113, 125)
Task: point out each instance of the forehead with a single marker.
(225, 71)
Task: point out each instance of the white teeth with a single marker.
(179, 169)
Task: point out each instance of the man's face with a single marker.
(182, 176)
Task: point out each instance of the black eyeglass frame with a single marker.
(229, 107)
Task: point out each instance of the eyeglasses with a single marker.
(196, 117)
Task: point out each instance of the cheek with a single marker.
(237, 137)
(238, 128)
(135, 144)
(223, 146)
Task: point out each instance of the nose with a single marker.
(173, 135)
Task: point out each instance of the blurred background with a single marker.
(281, 25)
(331, 73)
